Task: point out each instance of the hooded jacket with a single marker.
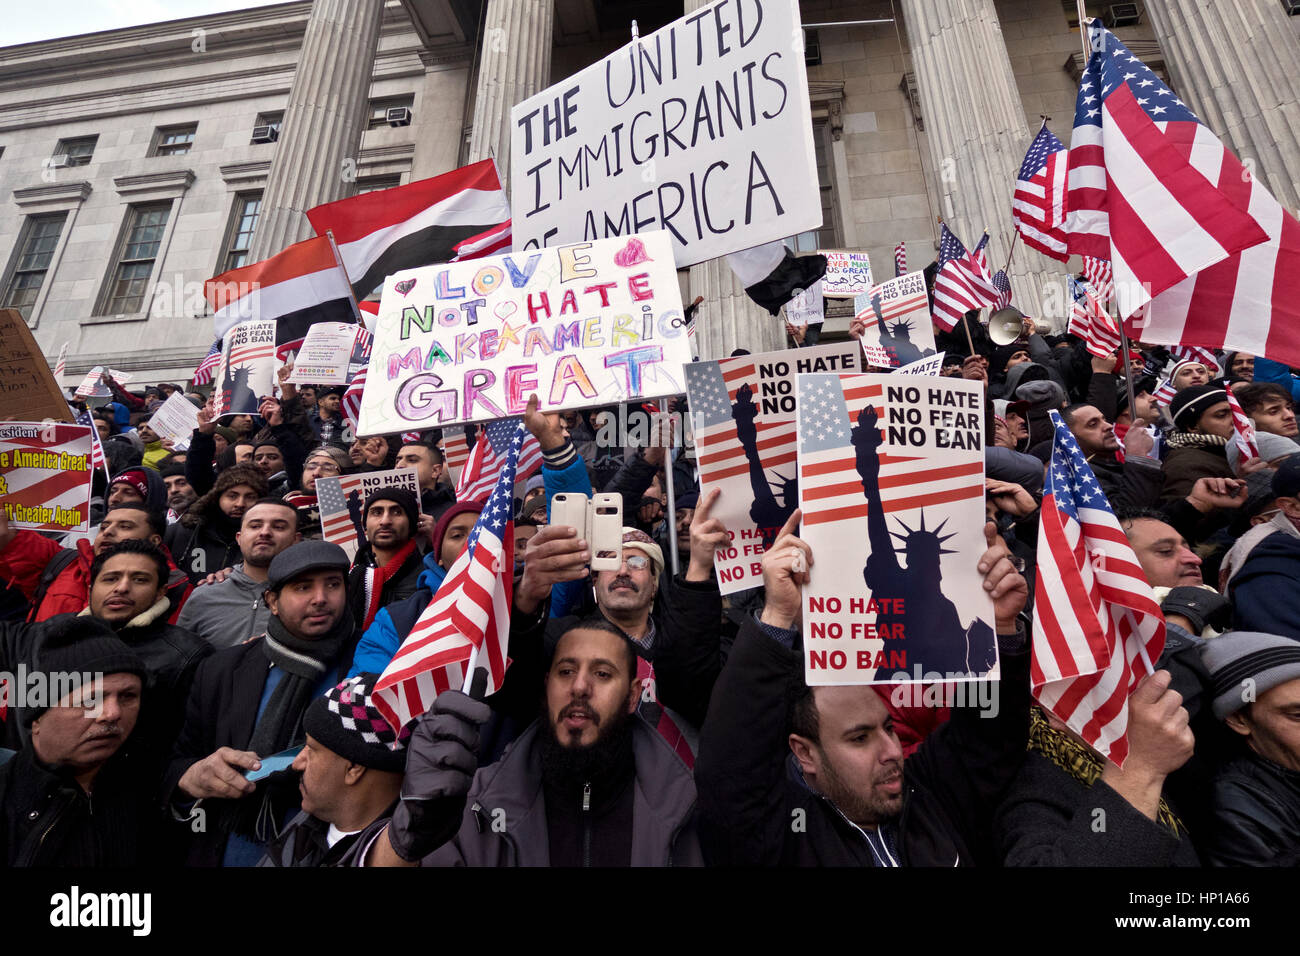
(204, 539)
(1265, 592)
(383, 637)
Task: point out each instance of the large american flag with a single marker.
(1038, 206)
(718, 452)
(830, 488)
(1091, 322)
(1134, 198)
(468, 622)
(479, 475)
(208, 367)
(900, 259)
(962, 282)
(1243, 427)
(97, 459)
(1097, 626)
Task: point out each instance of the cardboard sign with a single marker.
(807, 307)
(897, 315)
(342, 502)
(27, 386)
(891, 483)
(92, 386)
(701, 129)
(591, 324)
(246, 374)
(848, 274)
(45, 472)
(326, 354)
(176, 420)
(743, 412)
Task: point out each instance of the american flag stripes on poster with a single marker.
(743, 411)
(896, 319)
(45, 472)
(468, 621)
(1097, 626)
(342, 501)
(891, 482)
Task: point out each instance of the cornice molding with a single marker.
(161, 185)
(51, 197)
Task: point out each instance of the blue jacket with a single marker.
(1266, 370)
(379, 644)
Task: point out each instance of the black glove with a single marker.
(440, 765)
(1200, 606)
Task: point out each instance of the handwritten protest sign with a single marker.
(701, 129)
(176, 420)
(589, 324)
(325, 354)
(743, 411)
(27, 386)
(92, 386)
(897, 317)
(891, 483)
(45, 474)
(247, 368)
(343, 499)
(848, 274)
(807, 307)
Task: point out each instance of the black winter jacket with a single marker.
(1257, 814)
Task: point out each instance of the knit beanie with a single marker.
(347, 722)
(227, 433)
(136, 478)
(74, 644)
(403, 498)
(1192, 402)
(1266, 660)
(536, 481)
(440, 529)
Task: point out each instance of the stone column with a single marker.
(1237, 65)
(728, 319)
(323, 121)
(976, 130)
(514, 64)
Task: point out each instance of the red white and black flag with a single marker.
(463, 214)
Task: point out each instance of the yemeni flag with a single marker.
(773, 275)
(463, 214)
(298, 287)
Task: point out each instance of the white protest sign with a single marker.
(342, 502)
(891, 483)
(848, 274)
(590, 324)
(701, 129)
(176, 420)
(325, 353)
(896, 317)
(45, 472)
(247, 370)
(930, 365)
(92, 387)
(807, 307)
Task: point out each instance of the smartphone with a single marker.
(598, 520)
(273, 764)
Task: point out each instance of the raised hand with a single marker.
(707, 535)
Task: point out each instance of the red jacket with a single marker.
(27, 555)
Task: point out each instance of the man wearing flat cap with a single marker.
(248, 702)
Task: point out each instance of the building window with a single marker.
(78, 151)
(35, 250)
(243, 222)
(135, 260)
(827, 237)
(267, 122)
(370, 184)
(379, 109)
(173, 140)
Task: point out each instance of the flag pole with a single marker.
(1083, 31)
(671, 517)
(472, 664)
(338, 259)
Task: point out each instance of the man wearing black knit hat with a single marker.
(248, 702)
(387, 568)
(1203, 425)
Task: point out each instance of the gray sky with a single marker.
(63, 18)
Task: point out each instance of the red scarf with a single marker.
(377, 577)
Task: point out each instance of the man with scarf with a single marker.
(387, 568)
(248, 702)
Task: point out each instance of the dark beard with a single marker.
(567, 769)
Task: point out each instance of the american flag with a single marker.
(1164, 393)
(718, 452)
(1243, 427)
(1091, 322)
(1100, 277)
(830, 488)
(332, 496)
(203, 373)
(479, 476)
(1003, 285)
(1038, 206)
(900, 259)
(97, 459)
(962, 282)
(455, 451)
(1097, 626)
(61, 364)
(1196, 353)
(1134, 197)
(350, 404)
(468, 622)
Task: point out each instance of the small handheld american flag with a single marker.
(1091, 322)
(479, 475)
(205, 370)
(900, 259)
(1245, 431)
(962, 282)
(97, 459)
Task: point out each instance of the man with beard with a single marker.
(203, 540)
(180, 493)
(585, 785)
(232, 611)
(387, 568)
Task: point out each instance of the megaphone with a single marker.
(1006, 325)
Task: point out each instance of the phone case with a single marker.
(570, 508)
(606, 532)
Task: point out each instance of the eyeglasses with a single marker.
(636, 562)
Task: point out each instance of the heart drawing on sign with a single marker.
(504, 310)
(405, 286)
(633, 254)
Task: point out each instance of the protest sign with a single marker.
(176, 420)
(92, 386)
(45, 474)
(27, 386)
(743, 411)
(807, 307)
(930, 365)
(848, 274)
(247, 370)
(897, 317)
(325, 354)
(701, 129)
(891, 483)
(342, 500)
(590, 324)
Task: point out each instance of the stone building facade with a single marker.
(136, 163)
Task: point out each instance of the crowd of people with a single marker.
(644, 719)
